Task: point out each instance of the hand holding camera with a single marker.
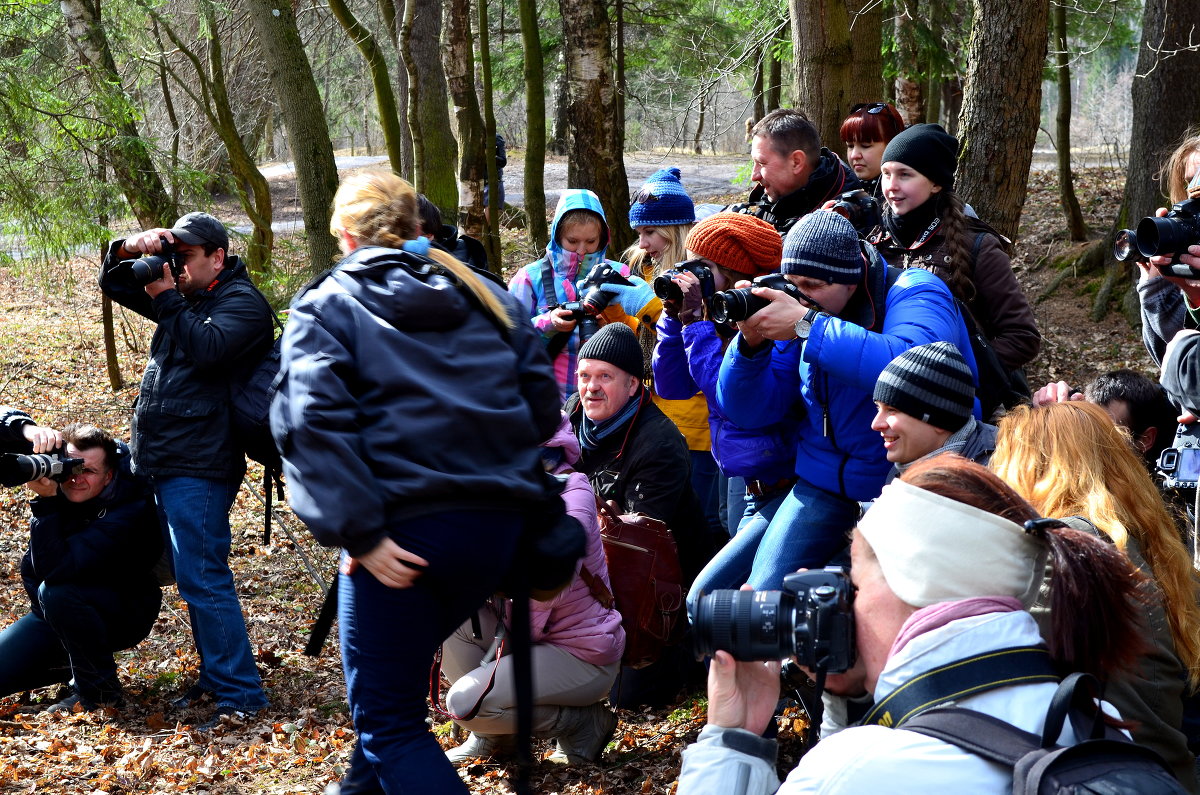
(159, 266)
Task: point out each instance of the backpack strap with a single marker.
(962, 678)
(549, 295)
(977, 733)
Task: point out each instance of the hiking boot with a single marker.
(226, 715)
(195, 694)
(582, 733)
(483, 746)
(65, 705)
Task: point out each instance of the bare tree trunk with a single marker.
(822, 57)
(392, 12)
(381, 79)
(700, 124)
(458, 54)
(1066, 180)
(952, 99)
(111, 362)
(595, 145)
(124, 148)
(562, 101)
(997, 134)
(909, 97)
(491, 242)
(303, 118)
(434, 149)
(866, 45)
(756, 88)
(535, 125)
(775, 75)
(619, 45)
(1165, 103)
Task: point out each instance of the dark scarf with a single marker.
(591, 433)
(916, 227)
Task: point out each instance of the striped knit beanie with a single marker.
(930, 382)
(738, 242)
(823, 245)
(662, 201)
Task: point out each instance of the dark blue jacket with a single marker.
(399, 396)
(113, 540)
(834, 376)
(686, 361)
(181, 423)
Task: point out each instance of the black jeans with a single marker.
(79, 628)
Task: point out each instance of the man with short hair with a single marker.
(925, 399)
(795, 174)
(94, 540)
(213, 325)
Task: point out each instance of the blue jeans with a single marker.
(389, 636)
(196, 514)
(808, 530)
(730, 567)
(737, 509)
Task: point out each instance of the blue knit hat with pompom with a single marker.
(662, 201)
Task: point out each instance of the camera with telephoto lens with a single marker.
(1179, 464)
(17, 469)
(149, 267)
(1168, 236)
(734, 306)
(595, 300)
(859, 208)
(810, 620)
(666, 288)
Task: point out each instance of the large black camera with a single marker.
(16, 469)
(595, 300)
(811, 620)
(734, 306)
(149, 267)
(1168, 236)
(859, 208)
(1179, 464)
(666, 288)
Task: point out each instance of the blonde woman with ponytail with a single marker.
(1070, 460)
(409, 415)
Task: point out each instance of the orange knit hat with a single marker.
(738, 242)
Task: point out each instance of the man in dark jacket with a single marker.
(634, 455)
(212, 325)
(94, 540)
(795, 174)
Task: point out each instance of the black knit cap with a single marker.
(930, 382)
(927, 148)
(618, 345)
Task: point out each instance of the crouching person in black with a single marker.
(94, 540)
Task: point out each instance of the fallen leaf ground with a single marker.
(54, 366)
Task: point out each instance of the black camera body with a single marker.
(1168, 236)
(666, 288)
(17, 469)
(1179, 464)
(594, 300)
(734, 306)
(149, 267)
(859, 208)
(810, 620)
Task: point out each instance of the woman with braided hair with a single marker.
(925, 225)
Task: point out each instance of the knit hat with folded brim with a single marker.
(616, 344)
(824, 245)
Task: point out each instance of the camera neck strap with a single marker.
(1018, 665)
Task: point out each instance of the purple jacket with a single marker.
(686, 361)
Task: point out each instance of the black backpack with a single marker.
(1106, 762)
(250, 396)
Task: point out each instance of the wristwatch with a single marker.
(803, 326)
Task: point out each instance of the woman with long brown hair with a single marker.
(1070, 460)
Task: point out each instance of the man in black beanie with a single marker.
(634, 455)
(924, 400)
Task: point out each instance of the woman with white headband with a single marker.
(944, 570)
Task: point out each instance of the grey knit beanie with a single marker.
(930, 382)
(616, 344)
(823, 245)
(927, 148)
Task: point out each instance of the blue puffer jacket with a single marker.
(400, 396)
(834, 376)
(687, 360)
